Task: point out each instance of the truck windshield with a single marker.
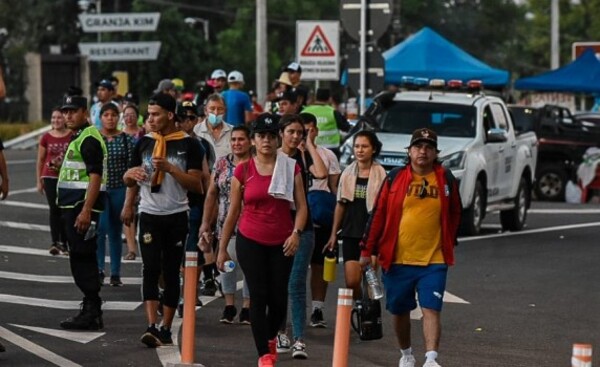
(523, 118)
(445, 119)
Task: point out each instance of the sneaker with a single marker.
(245, 316)
(431, 364)
(407, 361)
(165, 336)
(273, 348)
(54, 250)
(115, 281)
(316, 319)
(210, 288)
(228, 314)
(283, 343)
(265, 361)
(63, 249)
(151, 337)
(299, 350)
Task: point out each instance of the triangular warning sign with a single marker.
(317, 44)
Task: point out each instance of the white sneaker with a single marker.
(431, 364)
(407, 361)
(283, 343)
(299, 350)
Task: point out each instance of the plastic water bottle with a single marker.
(228, 266)
(91, 232)
(375, 290)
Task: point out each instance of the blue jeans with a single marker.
(110, 225)
(297, 283)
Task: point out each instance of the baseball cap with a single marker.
(186, 106)
(73, 103)
(105, 83)
(294, 66)
(218, 73)
(284, 78)
(178, 83)
(164, 84)
(266, 123)
(235, 76)
(131, 98)
(164, 100)
(425, 135)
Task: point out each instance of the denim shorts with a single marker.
(401, 282)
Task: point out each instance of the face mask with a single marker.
(214, 120)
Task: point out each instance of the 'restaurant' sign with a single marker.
(120, 51)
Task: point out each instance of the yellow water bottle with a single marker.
(329, 268)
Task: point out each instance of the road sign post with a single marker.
(317, 49)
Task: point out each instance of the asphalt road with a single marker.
(514, 299)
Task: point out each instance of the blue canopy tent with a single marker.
(580, 76)
(427, 54)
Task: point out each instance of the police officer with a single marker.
(81, 186)
(329, 121)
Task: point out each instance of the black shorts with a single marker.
(351, 248)
(321, 237)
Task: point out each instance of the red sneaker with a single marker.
(273, 349)
(265, 361)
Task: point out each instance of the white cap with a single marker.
(235, 76)
(218, 73)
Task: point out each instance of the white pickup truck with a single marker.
(477, 140)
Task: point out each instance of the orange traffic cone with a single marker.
(582, 355)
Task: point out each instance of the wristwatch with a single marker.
(297, 231)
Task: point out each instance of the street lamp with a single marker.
(192, 21)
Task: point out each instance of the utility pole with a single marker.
(554, 35)
(261, 50)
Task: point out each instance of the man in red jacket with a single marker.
(413, 230)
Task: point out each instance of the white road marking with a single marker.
(36, 349)
(23, 191)
(564, 211)
(31, 227)
(65, 305)
(23, 204)
(20, 161)
(531, 231)
(56, 278)
(417, 314)
(82, 337)
(42, 252)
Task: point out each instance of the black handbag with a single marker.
(366, 316)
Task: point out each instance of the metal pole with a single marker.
(554, 35)
(205, 23)
(261, 50)
(363, 55)
(99, 11)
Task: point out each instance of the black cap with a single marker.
(74, 103)
(266, 123)
(322, 94)
(185, 106)
(74, 91)
(424, 134)
(105, 83)
(131, 97)
(164, 100)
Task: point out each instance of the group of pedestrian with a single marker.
(235, 185)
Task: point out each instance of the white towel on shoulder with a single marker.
(282, 181)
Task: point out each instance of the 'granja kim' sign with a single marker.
(119, 22)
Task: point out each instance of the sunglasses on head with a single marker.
(423, 189)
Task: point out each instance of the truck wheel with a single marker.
(551, 182)
(514, 219)
(473, 216)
